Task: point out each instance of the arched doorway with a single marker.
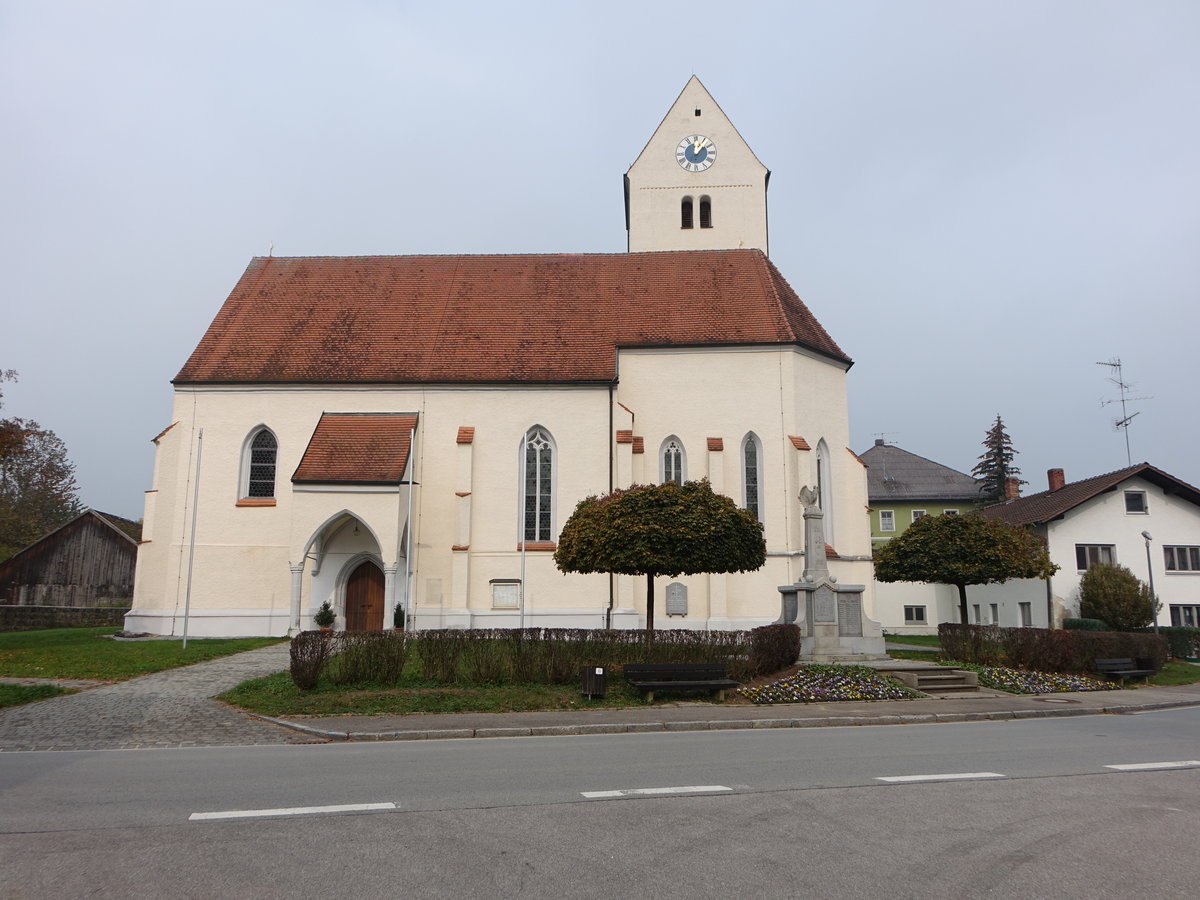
(364, 598)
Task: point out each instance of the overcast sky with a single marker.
(979, 200)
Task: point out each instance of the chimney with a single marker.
(878, 442)
(1056, 478)
(1012, 488)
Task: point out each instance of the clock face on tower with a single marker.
(696, 153)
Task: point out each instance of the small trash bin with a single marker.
(594, 681)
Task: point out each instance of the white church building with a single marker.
(414, 431)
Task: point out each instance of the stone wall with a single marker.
(31, 618)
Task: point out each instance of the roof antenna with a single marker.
(1126, 417)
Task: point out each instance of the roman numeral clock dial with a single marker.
(696, 153)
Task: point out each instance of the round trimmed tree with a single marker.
(666, 529)
(963, 550)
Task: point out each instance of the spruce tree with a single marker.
(995, 464)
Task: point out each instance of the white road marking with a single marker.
(950, 776)
(648, 792)
(1137, 767)
(289, 811)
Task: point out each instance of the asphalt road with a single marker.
(1015, 809)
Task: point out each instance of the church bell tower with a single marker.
(696, 185)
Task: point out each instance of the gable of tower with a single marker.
(696, 185)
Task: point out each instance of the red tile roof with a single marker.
(798, 442)
(624, 436)
(357, 448)
(1037, 509)
(716, 444)
(470, 319)
(466, 434)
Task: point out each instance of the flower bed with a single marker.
(820, 683)
(1020, 681)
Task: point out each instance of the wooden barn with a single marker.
(89, 561)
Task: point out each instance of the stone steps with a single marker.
(933, 679)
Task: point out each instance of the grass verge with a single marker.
(1176, 672)
(16, 694)
(87, 653)
(276, 695)
(921, 640)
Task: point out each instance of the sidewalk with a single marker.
(967, 707)
(174, 709)
(165, 709)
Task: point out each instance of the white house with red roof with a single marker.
(413, 431)
(1139, 517)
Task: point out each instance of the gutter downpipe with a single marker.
(408, 566)
(524, 458)
(612, 592)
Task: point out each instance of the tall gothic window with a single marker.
(259, 465)
(672, 460)
(825, 488)
(705, 212)
(538, 488)
(751, 475)
(686, 213)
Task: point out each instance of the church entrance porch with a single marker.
(364, 598)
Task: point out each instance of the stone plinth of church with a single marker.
(833, 625)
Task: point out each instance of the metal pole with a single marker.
(408, 566)
(187, 595)
(521, 518)
(1150, 574)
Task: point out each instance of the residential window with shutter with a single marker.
(1135, 503)
(1090, 554)
(1182, 559)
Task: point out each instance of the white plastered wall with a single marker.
(736, 184)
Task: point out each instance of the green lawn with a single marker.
(86, 653)
(1176, 672)
(16, 694)
(276, 695)
(922, 640)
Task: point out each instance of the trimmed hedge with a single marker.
(530, 655)
(1183, 640)
(1046, 650)
(1085, 625)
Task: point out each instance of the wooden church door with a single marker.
(364, 598)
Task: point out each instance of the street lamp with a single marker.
(1150, 573)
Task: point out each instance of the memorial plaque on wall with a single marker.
(850, 615)
(676, 599)
(825, 607)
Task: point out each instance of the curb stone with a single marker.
(717, 724)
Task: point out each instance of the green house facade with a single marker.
(902, 487)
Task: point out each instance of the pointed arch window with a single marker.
(674, 461)
(537, 516)
(825, 488)
(705, 212)
(686, 213)
(261, 455)
(752, 475)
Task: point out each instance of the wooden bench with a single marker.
(651, 677)
(1125, 667)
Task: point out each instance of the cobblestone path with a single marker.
(166, 709)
